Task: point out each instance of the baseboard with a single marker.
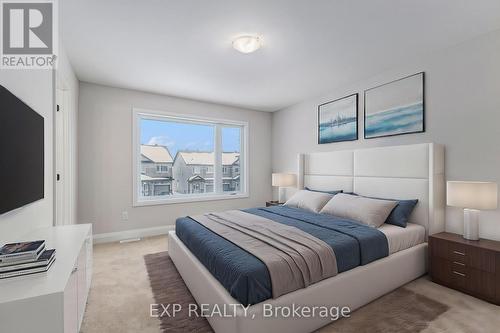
(134, 233)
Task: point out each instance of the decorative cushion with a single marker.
(309, 200)
(401, 214)
(372, 212)
(329, 192)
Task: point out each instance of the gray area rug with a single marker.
(169, 288)
(402, 311)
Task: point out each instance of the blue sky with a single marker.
(179, 136)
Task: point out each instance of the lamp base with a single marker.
(471, 224)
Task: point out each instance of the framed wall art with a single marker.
(395, 108)
(338, 120)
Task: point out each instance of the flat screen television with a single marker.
(21, 153)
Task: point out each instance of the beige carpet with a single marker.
(402, 311)
(121, 295)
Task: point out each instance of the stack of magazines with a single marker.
(25, 258)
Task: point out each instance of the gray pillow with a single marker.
(401, 214)
(309, 200)
(372, 212)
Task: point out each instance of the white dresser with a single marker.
(51, 302)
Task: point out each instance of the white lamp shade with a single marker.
(473, 195)
(284, 179)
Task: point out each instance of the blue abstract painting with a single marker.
(395, 108)
(338, 120)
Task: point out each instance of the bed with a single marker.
(403, 172)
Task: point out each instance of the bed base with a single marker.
(353, 288)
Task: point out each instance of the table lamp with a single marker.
(472, 197)
(283, 180)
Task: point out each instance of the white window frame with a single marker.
(161, 168)
(218, 194)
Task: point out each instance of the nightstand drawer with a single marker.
(449, 273)
(458, 279)
(457, 252)
(470, 256)
(464, 278)
(459, 267)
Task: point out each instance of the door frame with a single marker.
(64, 207)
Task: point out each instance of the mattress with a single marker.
(247, 279)
(400, 239)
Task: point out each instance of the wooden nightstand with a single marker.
(273, 203)
(472, 267)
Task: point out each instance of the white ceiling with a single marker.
(183, 47)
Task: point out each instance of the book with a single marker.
(43, 260)
(28, 271)
(21, 252)
(23, 258)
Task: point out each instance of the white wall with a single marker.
(105, 158)
(35, 88)
(462, 87)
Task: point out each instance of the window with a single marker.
(231, 146)
(196, 159)
(162, 168)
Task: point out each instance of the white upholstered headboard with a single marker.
(398, 172)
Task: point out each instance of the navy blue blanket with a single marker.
(247, 279)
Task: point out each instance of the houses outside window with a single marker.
(182, 159)
(154, 175)
(231, 143)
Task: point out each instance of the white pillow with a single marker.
(309, 200)
(372, 212)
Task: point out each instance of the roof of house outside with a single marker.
(195, 177)
(157, 154)
(204, 158)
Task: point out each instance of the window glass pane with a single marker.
(231, 149)
(177, 158)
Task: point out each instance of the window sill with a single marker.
(175, 200)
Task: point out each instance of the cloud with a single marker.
(161, 141)
(197, 145)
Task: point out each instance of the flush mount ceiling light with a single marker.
(247, 44)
